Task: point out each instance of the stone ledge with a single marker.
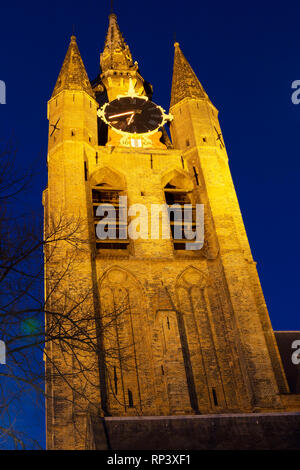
(257, 431)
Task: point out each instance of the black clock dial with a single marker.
(133, 115)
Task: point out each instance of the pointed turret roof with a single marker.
(185, 83)
(72, 75)
(116, 53)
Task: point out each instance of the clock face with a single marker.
(133, 115)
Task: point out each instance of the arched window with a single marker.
(179, 195)
(109, 211)
(205, 325)
(125, 336)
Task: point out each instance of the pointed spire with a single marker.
(185, 83)
(116, 53)
(72, 75)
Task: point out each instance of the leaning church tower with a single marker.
(173, 331)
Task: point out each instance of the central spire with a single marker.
(116, 54)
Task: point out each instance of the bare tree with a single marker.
(72, 329)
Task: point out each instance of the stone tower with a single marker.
(170, 331)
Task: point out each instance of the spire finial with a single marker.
(73, 37)
(176, 43)
(111, 6)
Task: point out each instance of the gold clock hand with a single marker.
(130, 119)
(121, 114)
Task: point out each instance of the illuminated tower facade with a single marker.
(179, 331)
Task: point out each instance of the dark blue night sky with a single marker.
(246, 56)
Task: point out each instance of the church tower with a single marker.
(148, 325)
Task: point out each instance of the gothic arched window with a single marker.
(179, 195)
(109, 211)
(126, 343)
